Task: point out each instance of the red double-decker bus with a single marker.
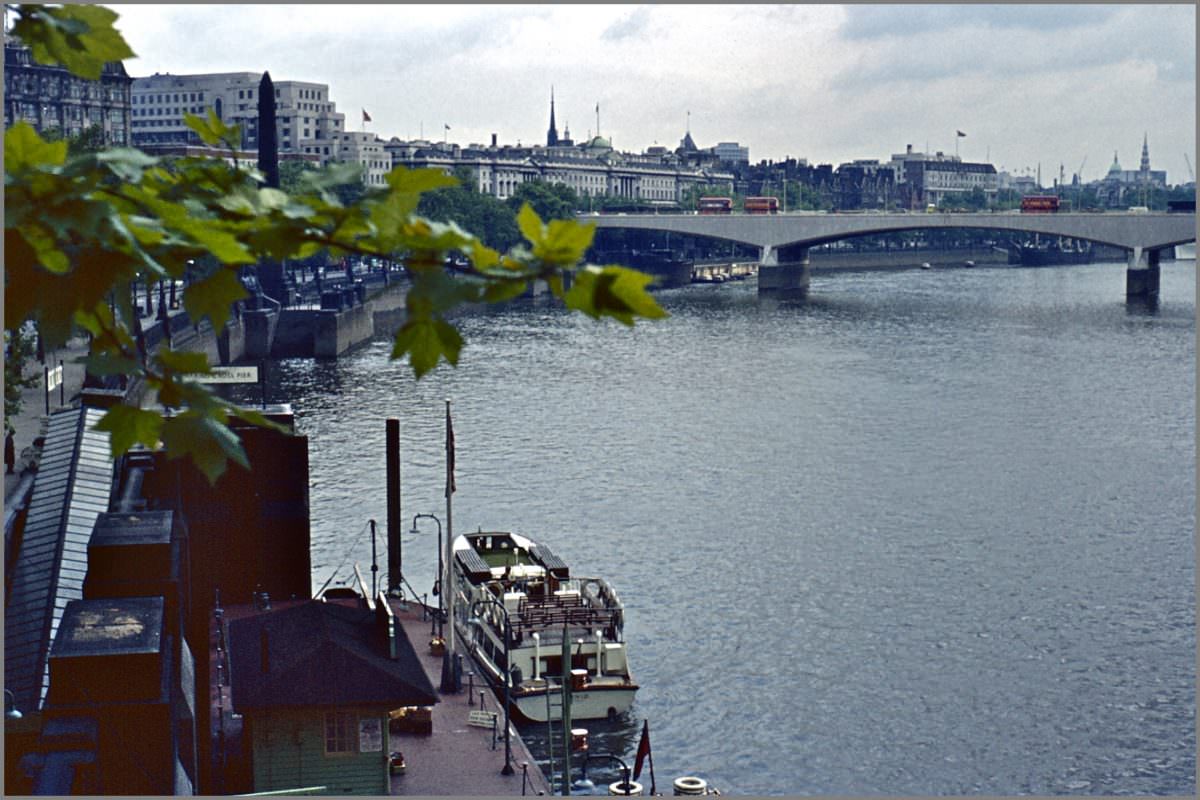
(762, 205)
(1039, 204)
(715, 205)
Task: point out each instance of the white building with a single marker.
(593, 169)
(366, 150)
(307, 121)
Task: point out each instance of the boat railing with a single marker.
(536, 616)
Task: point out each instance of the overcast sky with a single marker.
(1028, 84)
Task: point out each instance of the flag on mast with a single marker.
(643, 753)
(960, 133)
(450, 487)
(366, 116)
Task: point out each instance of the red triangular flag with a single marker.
(643, 750)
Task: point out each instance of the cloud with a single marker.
(873, 22)
(631, 26)
(918, 44)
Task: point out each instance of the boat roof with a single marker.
(477, 569)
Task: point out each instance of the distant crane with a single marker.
(1191, 175)
(1079, 172)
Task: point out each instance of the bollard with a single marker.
(471, 689)
(495, 724)
(524, 776)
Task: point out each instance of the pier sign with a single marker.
(54, 377)
(247, 374)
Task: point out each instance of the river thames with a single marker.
(929, 532)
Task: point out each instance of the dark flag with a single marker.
(366, 116)
(643, 753)
(450, 487)
(960, 133)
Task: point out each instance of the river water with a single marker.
(929, 532)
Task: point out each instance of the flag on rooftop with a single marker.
(960, 133)
(366, 116)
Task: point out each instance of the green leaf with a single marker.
(212, 130)
(613, 291)
(426, 341)
(502, 291)
(129, 426)
(530, 224)
(126, 163)
(80, 37)
(185, 362)
(416, 181)
(213, 296)
(209, 444)
(23, 148)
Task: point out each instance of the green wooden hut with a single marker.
(314, 683)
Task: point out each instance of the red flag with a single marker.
(366, 116)
(643, 751)
(450, 487)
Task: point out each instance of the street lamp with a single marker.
(437, 581)
(10, 705)
(626, 785)
(506, 676)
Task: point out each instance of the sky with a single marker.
(1051, 85)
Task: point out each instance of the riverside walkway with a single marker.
(458, 759)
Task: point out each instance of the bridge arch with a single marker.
(1143, 236)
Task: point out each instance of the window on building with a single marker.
(339, 732)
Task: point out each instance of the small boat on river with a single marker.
(543, 603)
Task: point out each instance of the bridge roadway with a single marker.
(784, 239)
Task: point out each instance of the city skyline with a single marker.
(1030, 86)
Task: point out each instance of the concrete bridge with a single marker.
(784, 239)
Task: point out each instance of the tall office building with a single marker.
(307, 120)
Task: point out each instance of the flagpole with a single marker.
(449, 684)
(650, 758)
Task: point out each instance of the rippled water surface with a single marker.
(929, 532)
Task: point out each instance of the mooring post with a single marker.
(393, 502)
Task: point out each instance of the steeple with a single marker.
(1145, 165)
(552, 134)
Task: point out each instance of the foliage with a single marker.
(18, 350)
(492, 220)
(550, 201)
(80, 229)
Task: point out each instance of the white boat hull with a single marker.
(592, 702)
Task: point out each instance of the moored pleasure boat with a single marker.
(544, 604)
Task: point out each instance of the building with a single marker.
(1122, 187)
(52, 99)
(732, 153)
(307, 120)
(366, 150)
(925, 179)
(315, 682)
(865, 184)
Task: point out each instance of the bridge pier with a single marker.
(1142, 274)
(783, 273)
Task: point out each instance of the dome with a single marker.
(1115, 169)
(599, 143)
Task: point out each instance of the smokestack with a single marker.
(493, 140)
(393, 502)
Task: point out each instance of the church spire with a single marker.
(1145, 165)
(552, 134)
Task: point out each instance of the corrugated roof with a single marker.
(321, 654)
(72, 488)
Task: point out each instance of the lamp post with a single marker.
(10, 705)
(437, 581)
(625, 783)
(506, 676)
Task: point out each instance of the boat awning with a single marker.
(553, 564)
(473, 565)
